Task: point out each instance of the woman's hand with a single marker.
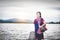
(40, 26)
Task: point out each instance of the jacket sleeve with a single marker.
(34, 21)
(44, 23)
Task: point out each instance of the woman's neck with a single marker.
(38, 18)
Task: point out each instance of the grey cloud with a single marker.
(56, 8)
(57, 0)
(20, 3)
(30, 0)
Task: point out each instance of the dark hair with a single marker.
(39, 13)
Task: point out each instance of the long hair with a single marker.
(39, 13)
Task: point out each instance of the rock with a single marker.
(32, 35)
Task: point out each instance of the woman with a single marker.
(39, 22)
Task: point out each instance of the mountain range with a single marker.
(15, 20)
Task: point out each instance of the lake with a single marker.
(16, 31)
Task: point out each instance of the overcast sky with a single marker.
(26, 9)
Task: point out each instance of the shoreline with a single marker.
(33, 23)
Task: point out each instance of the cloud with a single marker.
(20, 3)
(12, 8)
(56, 8)
(57, 0)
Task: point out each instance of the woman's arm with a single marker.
(43, 23)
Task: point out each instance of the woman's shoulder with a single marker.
(42, 18)
(35, 20)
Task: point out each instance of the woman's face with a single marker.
(38, 15)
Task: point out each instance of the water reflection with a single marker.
(26, 31)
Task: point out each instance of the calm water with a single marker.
(14, 31)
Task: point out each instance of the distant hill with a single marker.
(15, 20)
(53, 22)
